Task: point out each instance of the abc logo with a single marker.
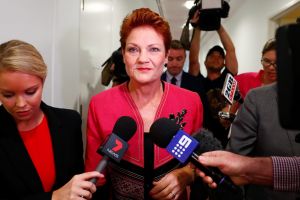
(181, 146)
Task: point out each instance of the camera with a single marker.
(114, 69)
(211, 12)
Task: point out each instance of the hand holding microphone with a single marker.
(232, 94)
(116, 145)
(166, 134)
(229, 163)
(83, 185)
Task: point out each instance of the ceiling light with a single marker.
(96, 7)
(189, 4)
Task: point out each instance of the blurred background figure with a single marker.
(265, 76)
(174, 73)
(114, 69)
(218, 64)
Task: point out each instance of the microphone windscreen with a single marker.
(207, 142)
(125, 127)
(162, 131)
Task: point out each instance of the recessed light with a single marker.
(189, 4)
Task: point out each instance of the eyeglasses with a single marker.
(267, 63)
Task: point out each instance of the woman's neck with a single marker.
(147, 99)
(34, 121)
(266, 81)
(145, 92)
(213, 75)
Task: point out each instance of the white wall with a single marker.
(249, 27)
(19, 21)
(52, 26)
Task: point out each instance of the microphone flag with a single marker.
(182, 146)
(229, 88)
(115, 147)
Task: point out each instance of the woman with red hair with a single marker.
(146, 171)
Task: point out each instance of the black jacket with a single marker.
(18, 176)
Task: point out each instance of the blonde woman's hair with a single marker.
(16, 55)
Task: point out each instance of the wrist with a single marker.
(259, 170)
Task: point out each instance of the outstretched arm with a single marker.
(241, 169)
(231, 62)
(194, 66)
(283, 173)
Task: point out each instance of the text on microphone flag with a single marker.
(115, 147)
(182, 146)
(229, 88)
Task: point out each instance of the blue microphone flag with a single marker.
(182, 146)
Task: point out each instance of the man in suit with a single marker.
(175, 73)
(177, 76)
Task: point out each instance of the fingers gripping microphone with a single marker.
(186, 149)
(116, 145)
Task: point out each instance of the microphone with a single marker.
(186, 149)
(231, 91)
(116, 145)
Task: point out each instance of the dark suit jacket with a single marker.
(188, 82)
(195, 84)
(18, 176)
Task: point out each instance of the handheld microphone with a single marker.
(116, 145)
(185, 148)
(231, 91)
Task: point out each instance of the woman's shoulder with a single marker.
(110, 93)
(60, 112)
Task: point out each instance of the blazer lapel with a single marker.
(16, 152)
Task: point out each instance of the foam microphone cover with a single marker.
(207, 142)
(125, 127)
(162, 131)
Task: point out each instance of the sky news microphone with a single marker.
(231, 91)
(116, 145)
(185, 148)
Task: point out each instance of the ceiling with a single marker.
(176, 14)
